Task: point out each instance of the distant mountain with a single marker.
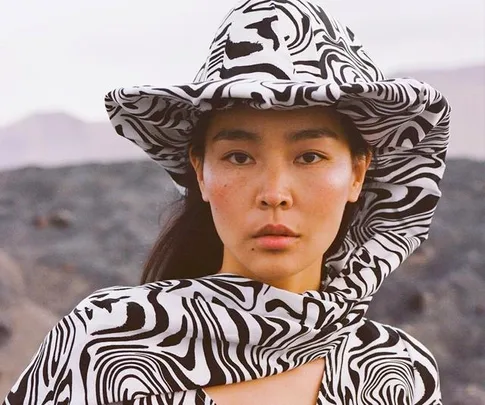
(59, 139)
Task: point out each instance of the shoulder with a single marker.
(371, 332)
(107, 319)
(108, 301)
(110, 312)
(122, 307)
(384, 355)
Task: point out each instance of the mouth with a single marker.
(275, 237)
(275, 230)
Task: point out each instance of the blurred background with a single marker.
(80, 206)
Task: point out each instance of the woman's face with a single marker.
(277, 183)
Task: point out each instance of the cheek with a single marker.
(224, 195)
(330, 189)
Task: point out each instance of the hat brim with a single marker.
(390, 114)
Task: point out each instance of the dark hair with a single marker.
(189, 246)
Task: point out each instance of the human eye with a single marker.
(238, 158)
(310, 157)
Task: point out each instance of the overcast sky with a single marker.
(64, 55)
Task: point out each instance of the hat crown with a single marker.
(292, 40)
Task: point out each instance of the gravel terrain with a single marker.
(65, 232)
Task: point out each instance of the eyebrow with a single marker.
(243, 135)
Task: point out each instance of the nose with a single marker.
(275, 190)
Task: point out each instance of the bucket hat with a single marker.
(277, 54)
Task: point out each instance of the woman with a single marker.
(307, 178)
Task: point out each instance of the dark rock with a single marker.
(417, 302)
(5, 334)
(40, 221)
(480, 309)
(68, 267)
(61, 219)
(437, 295)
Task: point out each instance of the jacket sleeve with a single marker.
(48, 378)
(383, 364)
(427, 389)
(59, 371)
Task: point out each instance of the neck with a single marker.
(306, 279)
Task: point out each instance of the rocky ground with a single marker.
(66, 232)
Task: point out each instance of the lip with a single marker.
(275, 230)
(275, 237)
(275, 242)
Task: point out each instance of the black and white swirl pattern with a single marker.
(161, 343)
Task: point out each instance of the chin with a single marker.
(275, 267)
(272, 268)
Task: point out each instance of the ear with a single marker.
(198, 165)
(360, 166)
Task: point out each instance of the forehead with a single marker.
(282, 121)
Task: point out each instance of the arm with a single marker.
(58, 372)
(426, 375)
(47, 378)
